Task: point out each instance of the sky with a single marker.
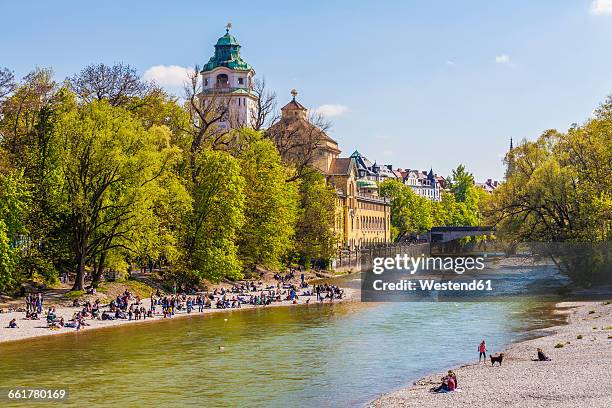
(416, 84)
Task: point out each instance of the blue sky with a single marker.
(416, 84)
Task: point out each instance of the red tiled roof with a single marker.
(293, 105)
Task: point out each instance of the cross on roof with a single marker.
(294, 93)
(227, 27)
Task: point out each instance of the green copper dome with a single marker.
(227, 39)
(227, 54)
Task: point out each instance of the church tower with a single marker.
(228, 79)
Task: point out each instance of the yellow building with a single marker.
(363, 218)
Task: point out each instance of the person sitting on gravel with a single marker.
(448, 385)
(542, 356)
(451, 374)
(13, 324)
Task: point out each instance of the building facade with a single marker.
(227, 80)
(363, 218)
(423, 183)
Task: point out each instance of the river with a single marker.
(340, 355)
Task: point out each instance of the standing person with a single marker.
(28, 304)
(39, 302)
(482, 352)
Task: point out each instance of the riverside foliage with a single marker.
(101, 172)
(413, 214)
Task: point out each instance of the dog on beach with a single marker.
(497, 359)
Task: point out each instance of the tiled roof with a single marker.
(340, 166)
(293, 105)
(293, 124)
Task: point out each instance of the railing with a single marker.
(224, 89)
(370, 197)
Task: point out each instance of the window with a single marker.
(241, 81)
(205, 81)
(222, 80)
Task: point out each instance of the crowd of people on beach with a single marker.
(130, 307)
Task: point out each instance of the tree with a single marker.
(460, 182)
(212, 226)
(7, 82)
(119, 84)
(264, 113)
(27, 123)
(559, 189)
(298, 140)
(110, 166)
(205, 117)
(410, 213)
(270, 206)
(315, 236)
(13, 209)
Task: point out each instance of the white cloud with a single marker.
(502, 59)
(331, 110)
(601, 7)
(168, 75)
(450, 63)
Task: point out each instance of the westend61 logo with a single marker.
(413, 264)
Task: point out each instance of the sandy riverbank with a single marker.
(36, 328)
(578, 374)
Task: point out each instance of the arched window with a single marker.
(222, 81)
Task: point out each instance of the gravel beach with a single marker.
(578, 375)
(36, 328)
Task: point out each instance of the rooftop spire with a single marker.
(510, 143)
(227, 27)
(294, 93)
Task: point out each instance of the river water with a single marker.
(340, 355)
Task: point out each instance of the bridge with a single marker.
(439, 235)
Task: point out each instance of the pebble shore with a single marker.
(578, 375)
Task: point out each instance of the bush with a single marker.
(559, 345)
(579, 336)
(591, 311)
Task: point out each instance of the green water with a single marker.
(307, 356)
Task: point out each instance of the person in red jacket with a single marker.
(482, 350)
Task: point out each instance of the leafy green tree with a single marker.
(410, 213)
(270, 207)
(110, 165)
(27, 123)
(213, 224)
(460, 182)
(13, 210)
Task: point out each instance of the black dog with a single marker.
(497, 359)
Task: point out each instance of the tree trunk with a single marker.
(79, 281)
(97, 274)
